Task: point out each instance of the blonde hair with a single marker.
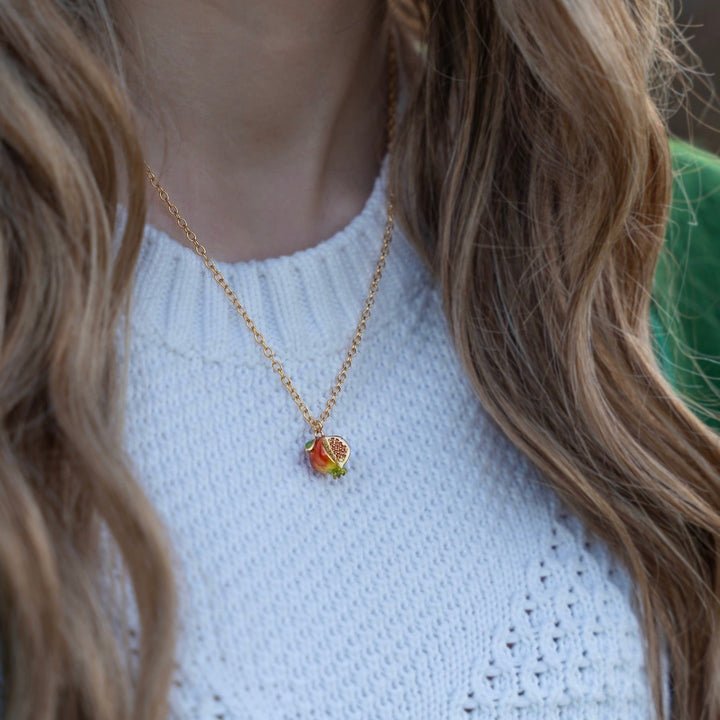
(519, 114)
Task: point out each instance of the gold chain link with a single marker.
(315, 423)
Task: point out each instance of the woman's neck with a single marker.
(265, 119)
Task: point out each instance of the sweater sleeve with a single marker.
(686, 296)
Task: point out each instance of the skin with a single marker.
(265, 119)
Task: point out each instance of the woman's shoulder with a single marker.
(686, 311)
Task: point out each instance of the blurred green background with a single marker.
(700, 20)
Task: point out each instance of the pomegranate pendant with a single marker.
(328, 454)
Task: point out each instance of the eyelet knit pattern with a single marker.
(571, 646)
(439, 579)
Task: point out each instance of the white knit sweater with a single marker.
(439, 579)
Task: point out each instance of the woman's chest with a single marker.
(437, 579)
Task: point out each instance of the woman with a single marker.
(518, 516)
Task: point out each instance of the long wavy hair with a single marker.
(532, 172)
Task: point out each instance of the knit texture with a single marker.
(440, 578)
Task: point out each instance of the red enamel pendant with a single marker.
(328, 454)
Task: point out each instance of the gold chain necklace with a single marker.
(327, 454)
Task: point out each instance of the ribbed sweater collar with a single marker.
(306, 304)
